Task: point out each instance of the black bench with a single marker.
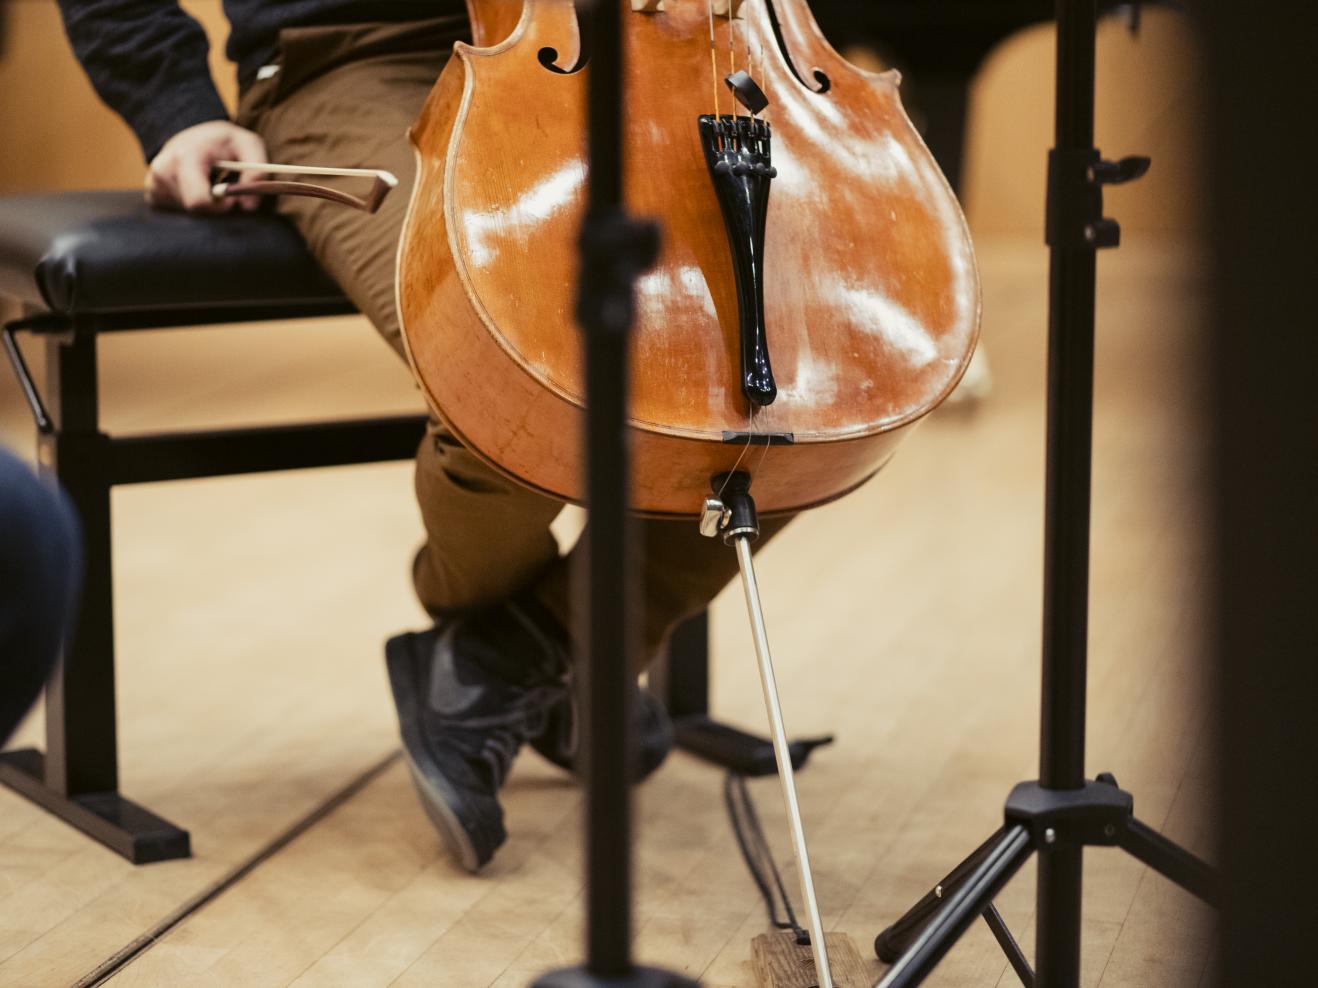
(76, 265)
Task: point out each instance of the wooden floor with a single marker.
(905, 619)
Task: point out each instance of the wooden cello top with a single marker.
(871, 296)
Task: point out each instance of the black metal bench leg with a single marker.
(78, 777)
(681, 681)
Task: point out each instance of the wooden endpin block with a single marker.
(780, 962)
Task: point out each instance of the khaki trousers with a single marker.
(345, 96)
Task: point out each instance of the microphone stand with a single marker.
(1061, 813)
(615, 248)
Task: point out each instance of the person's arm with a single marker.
(148, 60)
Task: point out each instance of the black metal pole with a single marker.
(1066, 504)
(614, 249)
(1070, 424)
(1062, 810)
(609, 648)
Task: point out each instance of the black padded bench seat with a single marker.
(77, 264)
(72, 266)
(79, 253)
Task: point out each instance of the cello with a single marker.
(815, 295)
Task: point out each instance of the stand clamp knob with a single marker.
(1075, 197)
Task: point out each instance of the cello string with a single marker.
(761, 66)
(768, 441)
(713, 59)
(732, 53)
(749, 439)
(759, 467)
(755, 431)
(750, 57)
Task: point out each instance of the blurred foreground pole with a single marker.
(1260, 417)
(614, 249)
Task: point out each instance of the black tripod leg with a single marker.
(1057, 921)
(960, 909)
(1009, 946)
(1172, 861)
(893, 941)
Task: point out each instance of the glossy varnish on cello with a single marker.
(871, 297)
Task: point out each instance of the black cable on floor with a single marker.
(758, 855)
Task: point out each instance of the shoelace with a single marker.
(498, 750)
(501, 736)
(531, 708)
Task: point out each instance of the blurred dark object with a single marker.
(39, 565)
(1261, 423)
(939, 45)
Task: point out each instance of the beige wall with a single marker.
(57, 135)
(1147, 104)
(56, 132)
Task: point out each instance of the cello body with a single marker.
(870, 292)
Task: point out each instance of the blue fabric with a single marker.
(40, 562)
(147, 58)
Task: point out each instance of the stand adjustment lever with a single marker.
(1075, 196)
(1127, 169)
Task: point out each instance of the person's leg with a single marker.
(492, 672)
(39, 567)
(470, 689)
(682, 571)
(345, 96)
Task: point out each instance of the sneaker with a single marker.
(469, 692)
(558, 742)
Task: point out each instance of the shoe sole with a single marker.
(436, 798)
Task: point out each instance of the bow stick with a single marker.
(382, 183)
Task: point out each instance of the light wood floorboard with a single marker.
(905, 619)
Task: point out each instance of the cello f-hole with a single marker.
(548, 56)
(822, 82)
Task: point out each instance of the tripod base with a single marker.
(637, 977)
(1037, 819)
(893, 941)
(780, 962)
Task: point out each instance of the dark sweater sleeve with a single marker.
(147, 60)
